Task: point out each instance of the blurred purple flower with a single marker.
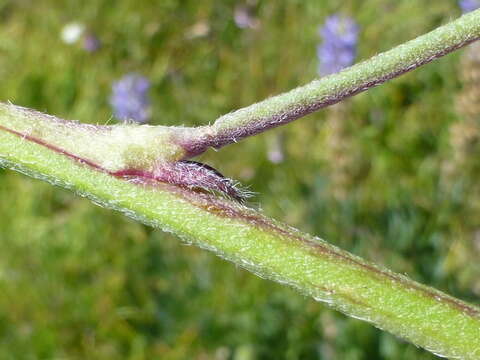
(243, 17)
(339, 46)
(469, 5)
(130, 100)
(91, 43)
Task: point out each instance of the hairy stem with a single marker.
(89, 160)
(419, 314)
(284, 108)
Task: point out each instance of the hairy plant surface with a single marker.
(143, 172)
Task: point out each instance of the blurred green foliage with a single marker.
(80, 282)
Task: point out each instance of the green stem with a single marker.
(284, 108)
(419, 314)
(54, 151)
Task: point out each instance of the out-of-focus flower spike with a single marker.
(469, 5)
(91, 43)
(338, 49)
(130, 100)
(244, 18)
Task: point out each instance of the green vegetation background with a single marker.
(81, 282)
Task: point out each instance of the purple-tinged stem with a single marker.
(329, 90)
(414, 312)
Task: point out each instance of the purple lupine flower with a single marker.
(243, 17)
(130, 100)
(339, 46)
(469, 5)
(91, 43)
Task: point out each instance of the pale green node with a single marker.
(113, 148)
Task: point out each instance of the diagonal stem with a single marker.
(299, 102)
(62, 153)
(417, 313)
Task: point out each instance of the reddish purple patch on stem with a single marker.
(190, 174)
(55, 148)
(193, 175)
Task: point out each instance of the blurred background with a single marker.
(390, 175)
